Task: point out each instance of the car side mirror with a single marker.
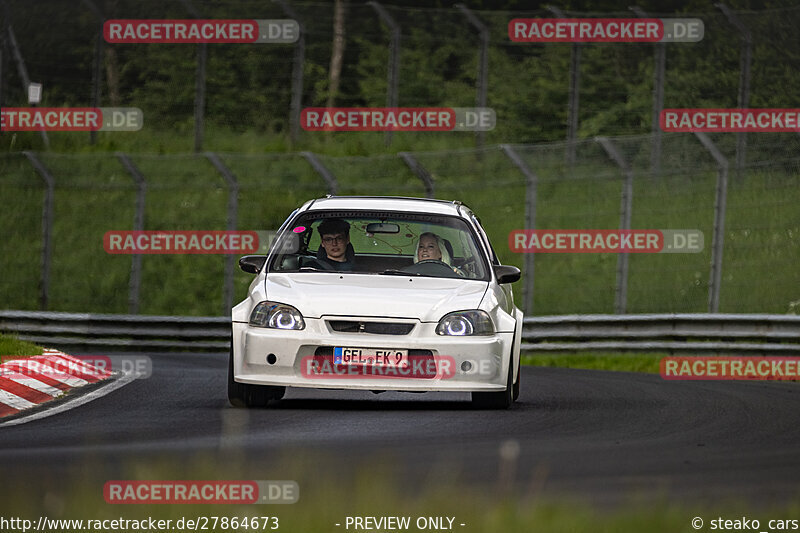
(252, 264)
(506, 273)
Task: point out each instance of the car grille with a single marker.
(376, 328)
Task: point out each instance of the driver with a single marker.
(335, 240)
(431, 247)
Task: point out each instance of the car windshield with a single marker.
(415, 244)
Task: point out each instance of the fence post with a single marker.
(297, 72)
(743, 98)
(138, 225)
(2, 71)
(720, 206)
(233, 210)
(3, 55)
(393, 80)
(660, 54)
(97, 62)
(530, 223)
(200, 96)
(420, 171)
(626, 206)
(47, 227)
(483, 65)
(2, 76)
(21, 67)
(322, 170)
(199, 83)
(574, 93)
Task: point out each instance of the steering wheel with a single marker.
(432, 267)
(433, 262)
(313, 262)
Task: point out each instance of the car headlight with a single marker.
(277, 316)
(462, 323)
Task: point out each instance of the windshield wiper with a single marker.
(394, 272)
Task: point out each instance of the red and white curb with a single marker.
(26, 383)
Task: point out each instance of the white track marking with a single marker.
(34, 384)
(114, 384)
(17, 402)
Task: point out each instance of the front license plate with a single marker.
(370, 356)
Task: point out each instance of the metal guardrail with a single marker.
(90, 333)
(686, 333)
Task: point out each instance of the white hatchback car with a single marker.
(377, 293)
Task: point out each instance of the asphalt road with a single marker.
(599, 436)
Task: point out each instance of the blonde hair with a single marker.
(442, 248)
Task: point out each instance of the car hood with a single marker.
(427, 299)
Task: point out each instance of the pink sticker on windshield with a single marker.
(299, 229)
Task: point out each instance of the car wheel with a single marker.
(496, 400)
(515, 394)
(246, 395)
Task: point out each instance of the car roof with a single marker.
(387, 203)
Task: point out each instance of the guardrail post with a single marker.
(297, 73)
(530, 223)
(483, 64)
(626, 206)
(47, 227)
(138, 225)
(720, 206)
(322, 170)
(233, 209)
(420, 171)
(394, 61)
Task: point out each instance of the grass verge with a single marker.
(10, 345)
(633, 362)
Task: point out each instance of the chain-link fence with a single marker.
(396, 55)
(58, 207)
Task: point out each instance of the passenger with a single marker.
(335, 244)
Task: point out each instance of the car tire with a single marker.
(515, 394)
(496, 400)
(246, 395)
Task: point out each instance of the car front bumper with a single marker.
(475, 363)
